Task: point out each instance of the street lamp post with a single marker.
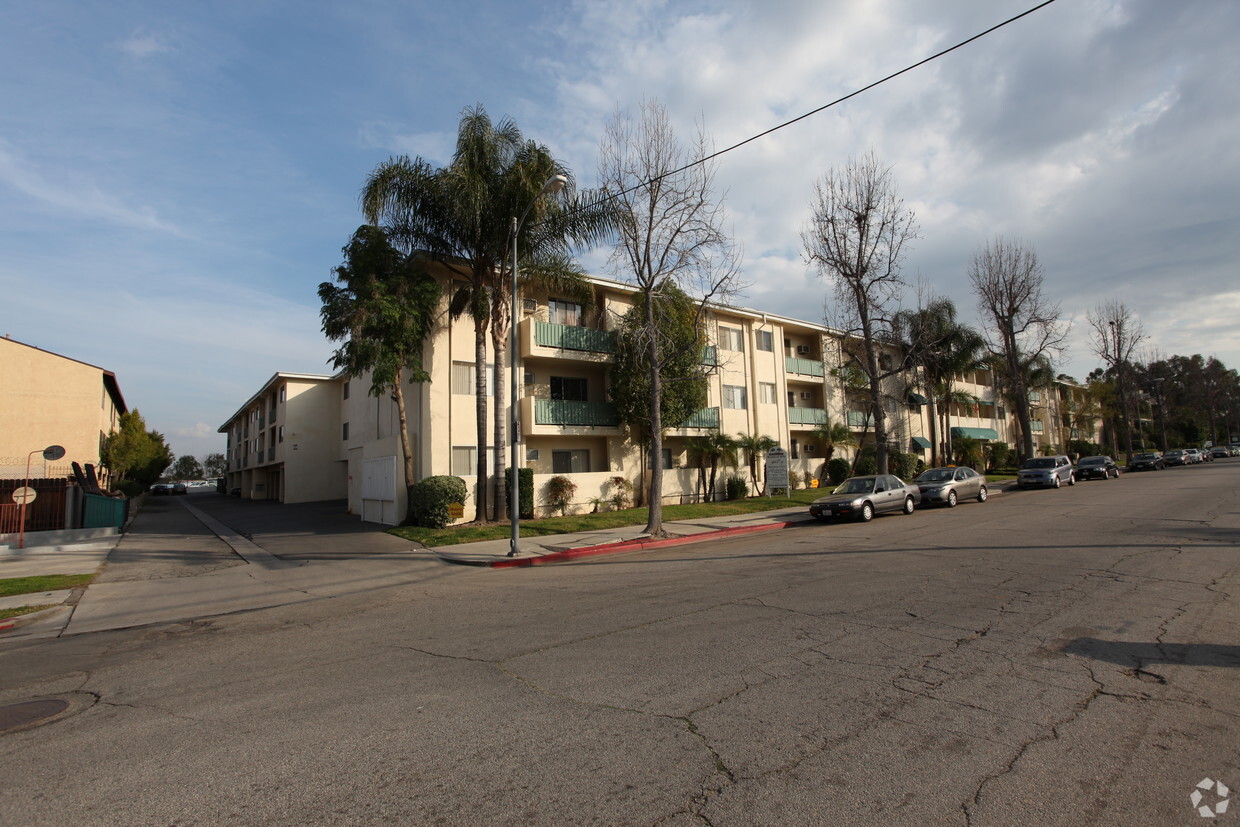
(554, 184)
(51, 453)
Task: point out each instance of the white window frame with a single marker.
(731, 400)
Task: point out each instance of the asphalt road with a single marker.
(1048, 657)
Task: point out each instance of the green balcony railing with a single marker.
(710, 356)
(563, 412)
(704, 418)
(568, 337)
(807, 367)
(860, 419)
(807, 416)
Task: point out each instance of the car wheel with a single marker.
(908, 504)
(1057, 481)
(981, 494)
(1072, 479)
(951, 499)
(867, 512)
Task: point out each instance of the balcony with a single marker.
(558, 341)
(809, 417)
(804, 367)
(551, 417)
(710, 356)
(860, 421)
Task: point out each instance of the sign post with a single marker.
(27, 494)
(776, 470)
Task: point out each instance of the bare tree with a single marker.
(856, 239)
(1023, 328)
(670, 228)
(1115, 338)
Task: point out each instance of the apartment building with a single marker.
(768, 375)
(49, 399)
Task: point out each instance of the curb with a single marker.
(636, 545)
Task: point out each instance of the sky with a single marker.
(176, 179)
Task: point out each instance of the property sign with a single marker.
(776, 469)
(25, 495)
(456, 510)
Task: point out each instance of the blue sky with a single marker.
(176, 179)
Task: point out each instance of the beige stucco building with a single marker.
(325, 437)
(48, 399)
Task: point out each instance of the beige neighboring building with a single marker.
(769, 375)
(48, 399)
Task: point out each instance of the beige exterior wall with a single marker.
(48, 399)
(784, 366)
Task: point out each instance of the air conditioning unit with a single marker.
(802, 350)
(529, 306)
(807, 394)
(532, 455)
(529, 378)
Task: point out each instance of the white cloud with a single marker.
(142, 45)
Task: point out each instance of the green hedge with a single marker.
(526, 494)
(737, 488)
(430, 498)
(837, 470)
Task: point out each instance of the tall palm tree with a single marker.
(720, 448)
(697, 454)
(754, 446)
(831, 435)
(463, 215)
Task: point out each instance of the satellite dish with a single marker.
(53, 453)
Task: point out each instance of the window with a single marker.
(283, 392)
(766, 341)
(464, 379)
(570, 462)
(766, 393)
(568, 388)
(735, 397)
(566, 313)
(795, 451)
(344, 432)
(280, 434)
(667, 459)
(730, 339)
(346, 390)
(464, 460)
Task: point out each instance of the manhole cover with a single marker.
(22, 715)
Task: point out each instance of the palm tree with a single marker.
(831, 435)
(697, 455)
(719, 448)
(754, 446)
(464, 214)
(969, 452)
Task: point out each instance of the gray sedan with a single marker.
(950, 485)
(863, 497)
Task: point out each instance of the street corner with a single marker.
(49, 622)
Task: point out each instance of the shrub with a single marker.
(525, 496)
(429, 500)
(1000, 454)
(867, 462)
(901, 464)
(622, 492)
(837, 470)
(736, 488)
(130, 488)
(559, 492)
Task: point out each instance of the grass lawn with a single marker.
(8, 614)
(45, 583)
(604, 519)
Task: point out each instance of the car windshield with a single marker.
(858, 485)
(1146, 456)
(1039, 462)
(1174, 453)
(935, 475)
(1093, 461)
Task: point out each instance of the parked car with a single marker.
(161, 489)
(950, 485)
(1176, 457)
(1149, 461)
(1192, 456)
(863, 497)
(1046, 471)
(1206, 454)
(1089, 468)
(180, 488)
(1220, 452)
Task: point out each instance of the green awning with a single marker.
(976, 433)
(917, 399)
(920, 443)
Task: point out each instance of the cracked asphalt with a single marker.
(1048, 657)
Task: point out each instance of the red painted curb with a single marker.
(636, 545)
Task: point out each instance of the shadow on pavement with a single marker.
(1136, 655)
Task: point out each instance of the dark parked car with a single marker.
(1046, 471)
(1176, 457)
(161, 489)
(1150, 461)
(863, 497)
(950, 485)
(1096, 468)
(180, 488)
(1220, 452)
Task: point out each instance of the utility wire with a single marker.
(835, 102)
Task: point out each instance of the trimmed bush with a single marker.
(526, 494)
(867, 462)
(559, 492)
(429, 500)
(837, 470)
(736, 488)
(901, 464)
(130, 488)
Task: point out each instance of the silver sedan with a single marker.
(863, 497)
(947, 486)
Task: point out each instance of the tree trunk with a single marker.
(654, 523)
(500, 313)
(398, 394)
(480, 411)
(934, 429)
